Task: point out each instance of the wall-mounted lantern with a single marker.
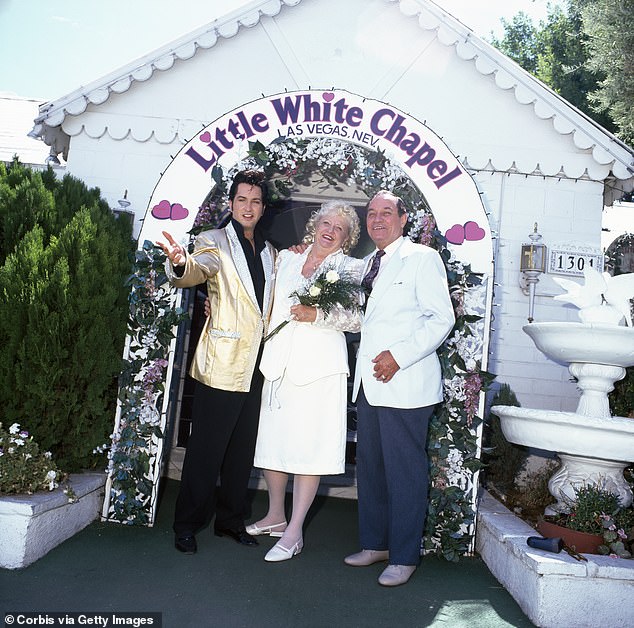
(532, 265)
(123, 209)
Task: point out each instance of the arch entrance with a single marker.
(316, 145)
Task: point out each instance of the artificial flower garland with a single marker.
(453, 443)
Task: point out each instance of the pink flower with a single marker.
(472, 388)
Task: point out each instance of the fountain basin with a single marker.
(592, 343)
(609, 438)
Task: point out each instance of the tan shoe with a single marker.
(255, 530)
(393, 575)
(366, 557)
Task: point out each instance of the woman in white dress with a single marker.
(305, 365)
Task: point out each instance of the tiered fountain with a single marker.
(556, 590)
(593, 446)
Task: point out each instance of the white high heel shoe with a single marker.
(279, 553)
(255, 530)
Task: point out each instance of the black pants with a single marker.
(221, 445)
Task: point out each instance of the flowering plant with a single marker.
(137, 437)
(596, 510)
(329, 289)
(23, 468)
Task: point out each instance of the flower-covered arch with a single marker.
(290, 158)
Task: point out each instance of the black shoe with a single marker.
(239, 535)
(186, 544)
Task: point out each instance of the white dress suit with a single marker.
(303, 415)
(409, 313)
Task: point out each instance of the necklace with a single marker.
(312, 264)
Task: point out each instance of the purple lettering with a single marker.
(260, 123)
(340, 110)
(221, 137)
(422, 156)
(286, 110)
(245, 124)
(436, 169)
(397, 131)
(205, 164)
(410, 144)
(354, 117)
(376, 118)
(456, 172)
(234, 129)
(312, 110)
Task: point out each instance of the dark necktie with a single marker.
(370, 276)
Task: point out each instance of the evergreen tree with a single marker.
(24, 203)
(558, 53)
(520, 41)
(607, 25)
(63, 314)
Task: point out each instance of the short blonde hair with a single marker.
(338, 208)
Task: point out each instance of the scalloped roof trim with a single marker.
(587, 135)
(605, 148)
(75, 103)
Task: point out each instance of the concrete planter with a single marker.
(554, 590)
(32, 525)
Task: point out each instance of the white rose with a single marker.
(332, 276)
(314, 291)
(14, 429)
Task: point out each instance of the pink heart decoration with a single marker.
(472, 231)
(179, 212)
(162, 211)
(205, 137)
(455, 235)
(328, 96)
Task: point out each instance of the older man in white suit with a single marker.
(397, 384)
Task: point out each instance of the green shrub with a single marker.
(63, 313)
(504, 461)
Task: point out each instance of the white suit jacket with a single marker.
(307, 352)
(410, 314)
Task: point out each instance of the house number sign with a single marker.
(571, 260)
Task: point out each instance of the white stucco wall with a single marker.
(565, 212)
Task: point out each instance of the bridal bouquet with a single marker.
(328, 289)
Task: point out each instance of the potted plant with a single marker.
(595, 524)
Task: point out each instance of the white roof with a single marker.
(16, 120)
(611, 155)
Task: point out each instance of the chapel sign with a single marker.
(421, 154)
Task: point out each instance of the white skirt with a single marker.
(303, 428)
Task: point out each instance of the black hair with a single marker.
(251, 177)
(400, 205)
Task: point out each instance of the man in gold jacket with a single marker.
(237, 265)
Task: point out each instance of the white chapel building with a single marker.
(497, 155)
